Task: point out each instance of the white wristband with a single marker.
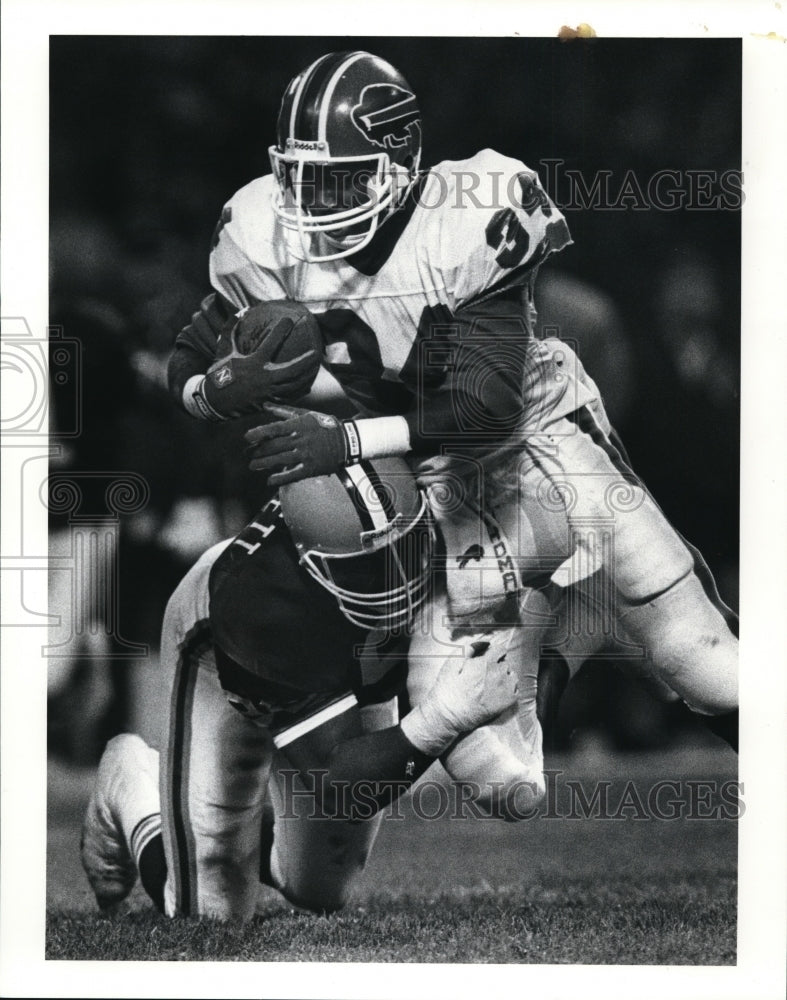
(381, 437)
(194, 400)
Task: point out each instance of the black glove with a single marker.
(272, 352)
(302, 443)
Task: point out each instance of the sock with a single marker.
(133, 796)
(143, 832)
(152, 866)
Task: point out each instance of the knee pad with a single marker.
(323, 884)
(315, 898)
(687, 645)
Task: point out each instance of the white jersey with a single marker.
(471, 231)
(446, 283)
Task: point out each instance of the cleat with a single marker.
(126, 763)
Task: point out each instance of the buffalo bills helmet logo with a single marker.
(388, 115)
(474, 553)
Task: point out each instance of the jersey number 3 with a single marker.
(506, 235)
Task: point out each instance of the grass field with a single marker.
(562, 890)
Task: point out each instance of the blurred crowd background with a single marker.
(150, 135)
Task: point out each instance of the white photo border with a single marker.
(760, 969)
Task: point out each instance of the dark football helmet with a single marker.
(366, 535)
(347, 150)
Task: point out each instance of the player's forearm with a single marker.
(482, 393)
(453, 415)
(369, 772)
(184, 365)
(481, 378)
(194, 351)
(441, 419)
(186, 375)
(469, 691)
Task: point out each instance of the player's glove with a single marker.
(301, 443)
(254, 363)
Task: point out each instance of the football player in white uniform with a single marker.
(282, 740)
(422, 284)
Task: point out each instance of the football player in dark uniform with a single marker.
(278, 658)
(422, 283)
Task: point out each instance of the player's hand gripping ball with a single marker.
(271, 353)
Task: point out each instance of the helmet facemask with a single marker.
(344, 199)
(384, 585)
(347, 151)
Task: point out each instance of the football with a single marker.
(281, 330)
(271, 352)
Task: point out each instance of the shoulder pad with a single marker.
(488, 216)
(248, 219)
(247, 255)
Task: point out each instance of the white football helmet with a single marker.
(347, 151)
(366, 535)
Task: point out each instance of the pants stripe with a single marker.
(611, 445)
(184, 872)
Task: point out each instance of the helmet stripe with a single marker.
(383, 495)
(297, 101)
(315, 80)
(363, 496)
(325, 100)
(364, 515)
